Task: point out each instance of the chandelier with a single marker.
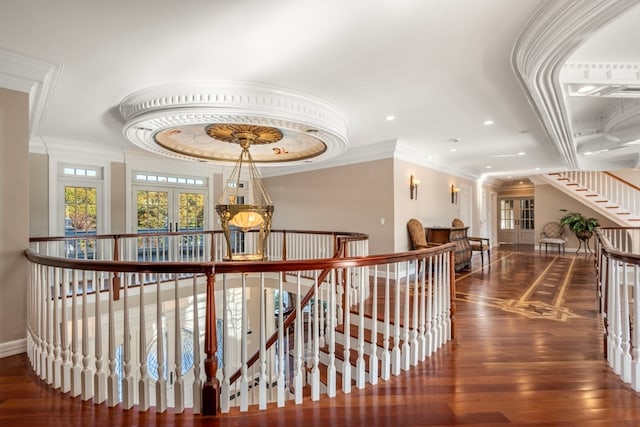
(245, 208)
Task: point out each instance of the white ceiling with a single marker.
(441, 67)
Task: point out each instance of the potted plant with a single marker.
(582, 226)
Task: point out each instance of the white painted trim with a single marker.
(35, 77)
(140, 161)
(11, 348)
(555, 31)
(103, 187)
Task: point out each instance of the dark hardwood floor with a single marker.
(528, 352)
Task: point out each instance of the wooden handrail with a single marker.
(614, 252)
(617, 178)
(290, 318)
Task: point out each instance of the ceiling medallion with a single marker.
(205, 121)
(239, 133)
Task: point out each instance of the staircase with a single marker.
(611, 196)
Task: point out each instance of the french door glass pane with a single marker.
(191, 209)
(507, 218)
(153, 211)
(526, 214)
(80, 219)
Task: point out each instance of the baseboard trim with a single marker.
(11, 348)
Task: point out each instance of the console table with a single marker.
(457, 235)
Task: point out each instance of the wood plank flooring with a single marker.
(528, 352)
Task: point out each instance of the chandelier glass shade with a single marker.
(245, 208)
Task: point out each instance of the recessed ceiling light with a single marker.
(522, 153)
(588, 153)
(488, 122)
(452, 150)
(487, 167)
(537, 169)
(585, 89)
(390, 118)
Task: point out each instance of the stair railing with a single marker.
(160, 343)
(618, 275)
(608, 187)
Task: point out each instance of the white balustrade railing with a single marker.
(618, 274)
(608, 187)
(165, 323)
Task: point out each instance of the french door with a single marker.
(169, 209)
(166, 209)
(516, 221)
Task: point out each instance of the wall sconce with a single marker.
(454, 193)
(413, 187)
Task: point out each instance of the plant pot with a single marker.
(584, 235)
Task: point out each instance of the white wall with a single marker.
(14, 218)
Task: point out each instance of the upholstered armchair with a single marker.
(478, 244)
(416, 234)
(552, 234)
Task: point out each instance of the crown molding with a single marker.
(81, 151)
(600, 73)
(32, 76)
(555, 31)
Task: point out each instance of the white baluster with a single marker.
(446, 297)
(635, 368)
(225, 389)
(385, 357)
(161, 383)
(57, 360)
(315, 370)
(65, 386)
(178, 385)
(197, 381)
(413, 341)
(406, 348)
(51, 326)
(331, 325)
(244, 378)
(625, 344)
(40, 321)
(100, 377)
(396, 356)
(262, 391)
(76, 356)
(422, 341)
(346, 363)
(281, 387)
(323, 299)
(128, 382)
(86, 376)
(360, 363)
(429, 310)
(373, 353)
(112, 379)
(144, 399)
(298, 331)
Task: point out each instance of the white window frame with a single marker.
(58, 181)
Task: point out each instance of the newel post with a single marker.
(116, 278)
(211, 388)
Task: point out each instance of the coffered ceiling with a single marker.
(461, 78)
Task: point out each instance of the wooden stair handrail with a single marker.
(624, 181)
(292, 315)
